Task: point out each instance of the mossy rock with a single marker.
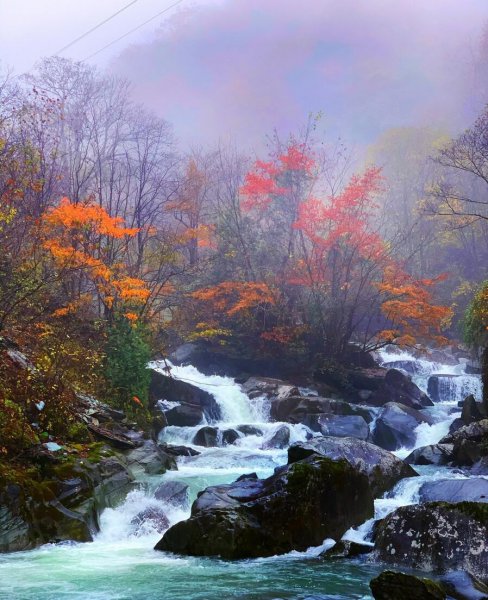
(391, 585)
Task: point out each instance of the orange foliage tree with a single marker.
(74, 235)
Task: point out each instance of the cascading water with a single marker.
(121, 563)
(443, 413)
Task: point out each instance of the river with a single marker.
(120, 564)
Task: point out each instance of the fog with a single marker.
(239, 69)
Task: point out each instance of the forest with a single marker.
(306, 262)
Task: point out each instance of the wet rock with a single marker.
(152, 518)
(471, 410)
(250, 430)
(229, 436)
(336, 426)
(474, 489)
(391, 585)
(193, 400)
(173, 492)
(207, 437)
(178, 450)
(435, 454)
(152, 458)
(436, 537)
(398, 387)
(470, 443)
(300, 409)
(395, 426)
(292, 510)
(382, 468)
(409, 366)
(280, 439)
(184, 416)
(65, 506)
(346, 549)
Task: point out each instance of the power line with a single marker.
(96, 27)
(132, 30)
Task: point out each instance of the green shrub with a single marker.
(126, 372)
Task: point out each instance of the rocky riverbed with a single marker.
(270, 476)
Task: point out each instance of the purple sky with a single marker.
(239, 68)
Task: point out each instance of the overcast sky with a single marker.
(32, 29)
(238, 68)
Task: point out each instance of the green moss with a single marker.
(302, 473)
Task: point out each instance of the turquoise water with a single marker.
(136, 572)
(122, 565)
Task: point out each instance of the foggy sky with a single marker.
(243, 67)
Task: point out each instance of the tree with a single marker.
(476, 332)
(74, 235)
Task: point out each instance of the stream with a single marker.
(122, 565)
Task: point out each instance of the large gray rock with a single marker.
(195, 403)
(436, 537)
(338, 426)
(152, 518)
(64, 506)
(184, 416)
(474, 489)
(152, 458)
(301, 409)
(395, 426)
(298, 507)
(173, 492)
(398, 387)
(435, 454)
(470, 443)
(382, 468)
(207, 436)
(390, 585)
(280, 438)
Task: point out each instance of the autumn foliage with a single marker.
(334, 280)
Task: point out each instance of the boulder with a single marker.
(230, 436)
(178, 450)
(391, 585)
(300, 409)
(346, 549)
(65, 505)
(185, 416)
(338, 426)
(173, 492)
(474, 489)
(152, 518)
(411, 367)
(164, 387)
(436, 537)
(435, 454)
(152, 458)
(396, 424)
(471, 410)
(250, 430)
(294, 509)
(398, 387)
(470, 443)
(280, 438)
(207, 437)
(382, 468)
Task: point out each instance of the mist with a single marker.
(240, 69)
